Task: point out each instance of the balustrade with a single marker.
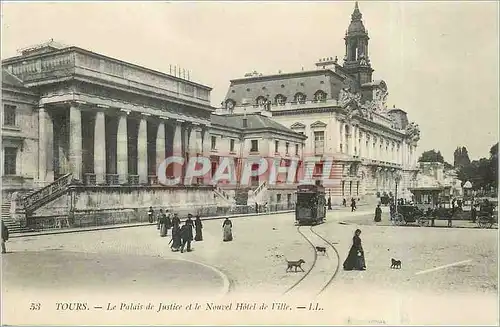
(112, 179)
(90, 179)
(55, 187)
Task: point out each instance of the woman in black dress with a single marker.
(356, 257)
(198, 226)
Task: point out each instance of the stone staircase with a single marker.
(13, 226)
(223, 195)
(38, 198)
(258, 195)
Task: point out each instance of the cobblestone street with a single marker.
(138, 260)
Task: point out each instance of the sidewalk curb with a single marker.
(118, 226)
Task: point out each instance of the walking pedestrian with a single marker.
(162, 223)
(176, 238)
(151, 215)
(329, 203)
(356, 258)
(344, 202)
(378, 214)
(353, 205)
(186, 236)
(176, 220)
(198, 228)
(5, 237)
(227, 227)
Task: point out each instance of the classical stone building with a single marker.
(343, 113)
(83, 133)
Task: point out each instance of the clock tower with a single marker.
(356, 60)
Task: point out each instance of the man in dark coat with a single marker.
(187, 236)
(176, 220)
(329, 203)
(5, 237)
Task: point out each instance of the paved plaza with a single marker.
(447, 275)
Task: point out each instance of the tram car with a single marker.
(310, 208)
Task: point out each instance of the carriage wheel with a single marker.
(398, 219)
(481, 223)
(423, 222)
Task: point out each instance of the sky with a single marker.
(439, 59)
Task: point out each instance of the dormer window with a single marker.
(320, 96)
(261, 101)
(230, 104)
(280, 99)
(300, 97)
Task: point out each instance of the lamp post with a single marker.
(397, 179)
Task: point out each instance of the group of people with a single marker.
(182, 236)
(353, 204)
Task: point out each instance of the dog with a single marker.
(396, 264)
(294, 264)
(321, 249)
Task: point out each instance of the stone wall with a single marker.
(86, 206)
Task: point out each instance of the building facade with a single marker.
(84, 132)
(343, 113)
(247, 139)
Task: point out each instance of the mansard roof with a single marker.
(255, 121)
(287, 85)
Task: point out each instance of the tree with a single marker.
(482, 173)
(431, 156)
(460, 157)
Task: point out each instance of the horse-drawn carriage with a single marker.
(408, 214)
(486, 217)
(425, 215)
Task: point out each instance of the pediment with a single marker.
(318, 124)
(297, 126)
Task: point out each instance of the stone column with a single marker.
(122, 149)
(142, 151)
(42, 144)
(193, 141)
(75, 141)
(177, 147)
(160, 144)
(100, 147)
(207, 144)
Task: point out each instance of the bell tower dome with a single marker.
(356, 60)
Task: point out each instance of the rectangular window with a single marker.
(214, 142)
(255, 146)
(318, 169)
(231, 145)
(9, 115)
(296, 149)
(9, 165)
(319, 142)
(287, 145)
(276, 146)
(278, 198)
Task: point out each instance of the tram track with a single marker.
(315, 274)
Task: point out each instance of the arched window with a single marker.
(300, 97)
(280, 99)
(319, 96)
(261, 101)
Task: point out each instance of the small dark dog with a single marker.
(294, 264)
(396, 264)
(321, 249)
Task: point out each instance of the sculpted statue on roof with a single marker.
(413, 131)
